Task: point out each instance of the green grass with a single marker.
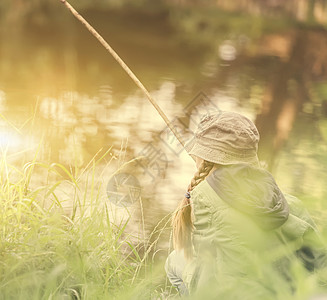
(49, 253)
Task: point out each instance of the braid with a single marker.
(182, 221)
(201, 174)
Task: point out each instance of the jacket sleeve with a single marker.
(174, 267)
(313, 249)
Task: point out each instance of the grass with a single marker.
(49, 253)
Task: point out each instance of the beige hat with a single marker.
(225, 138)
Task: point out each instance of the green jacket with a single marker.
(246, 234)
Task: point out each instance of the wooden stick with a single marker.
(124, 66)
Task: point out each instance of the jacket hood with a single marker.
(252, 191)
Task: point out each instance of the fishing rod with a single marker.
(130, 73)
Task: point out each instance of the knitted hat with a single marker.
(225, 138)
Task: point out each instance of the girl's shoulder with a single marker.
(205, 196)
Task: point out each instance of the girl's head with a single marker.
(222, 138)
(225, 138)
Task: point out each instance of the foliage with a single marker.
(47, 253)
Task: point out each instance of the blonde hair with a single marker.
(182, 220)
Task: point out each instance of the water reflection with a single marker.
(227, 51)
(9, 140)
(77, 101)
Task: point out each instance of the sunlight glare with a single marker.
(9, 140)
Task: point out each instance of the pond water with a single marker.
(62, 93)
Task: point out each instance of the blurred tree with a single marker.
(288, 88)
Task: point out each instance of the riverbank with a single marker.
(49, 253)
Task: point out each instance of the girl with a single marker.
(235, 233)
